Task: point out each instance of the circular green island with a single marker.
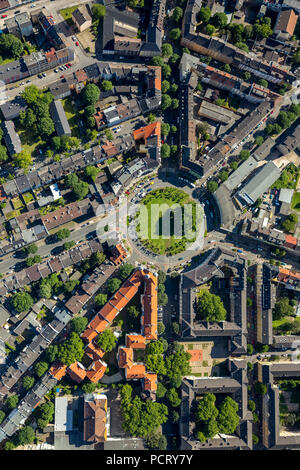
(167, 221)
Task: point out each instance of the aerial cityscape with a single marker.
(149, 229)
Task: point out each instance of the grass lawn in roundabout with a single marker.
(172, 208)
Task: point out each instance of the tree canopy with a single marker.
(141, 418)
(210, 307)
(22, 301)
(79, 324)
(107, 340)
(71, 350)
(90, 94)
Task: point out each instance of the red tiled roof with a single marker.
(76, 372)
(96, 371)
(58, 371)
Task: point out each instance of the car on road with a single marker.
(73, 38)
(77, 43)
(62, 76)
(3, 16)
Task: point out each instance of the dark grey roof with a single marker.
(60, 119)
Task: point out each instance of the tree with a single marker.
(233, 165)
(259, 140)
(282, 308)
(51, 353)
(210, 307)
(178, 364)
(157, 60)
(173, 60)
(31, 249)
(44, 414)
(160, 328)
(98, 11)
(155, 363)
(80, 190)
(106, 85)
(206, 408)
(166, 50)
(166, 70)
(175, 34)
(173, 397)
(89, 387)
(101, 299)
(97, 258)
(173, 129)
(133, 311)
(40, 368)
(161, 390)
(165, 85)
(12, 402)
(249, 349)
(247, 76)
(162, 298)
(70, 285)
(227, 68)
(71, 350)
(156, 441)
(166, 101)
(125, 270)
(113, 285)
(212, 186)
(262, 28)
(31, 261)
(26, 435)
(63, 233)
(251, 405)
(140, 418)
(45, 291)
(263, 83)
(223, 175)
(79, 324)
(90, 94)
(219, 20)
(3, 154)
(228, 418)
(177, 14)
(107, 340)
(10, 46)
(210, 29)
(21, 301)
(244, 154)
(255, 439)
(175, 416)
(165, 150)
(68, 245)
(260, 388)
(174, 103)
(30, 94)
(165, 129)
(288, 225)
(204, 14)
(22, 159)
(45, 126)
